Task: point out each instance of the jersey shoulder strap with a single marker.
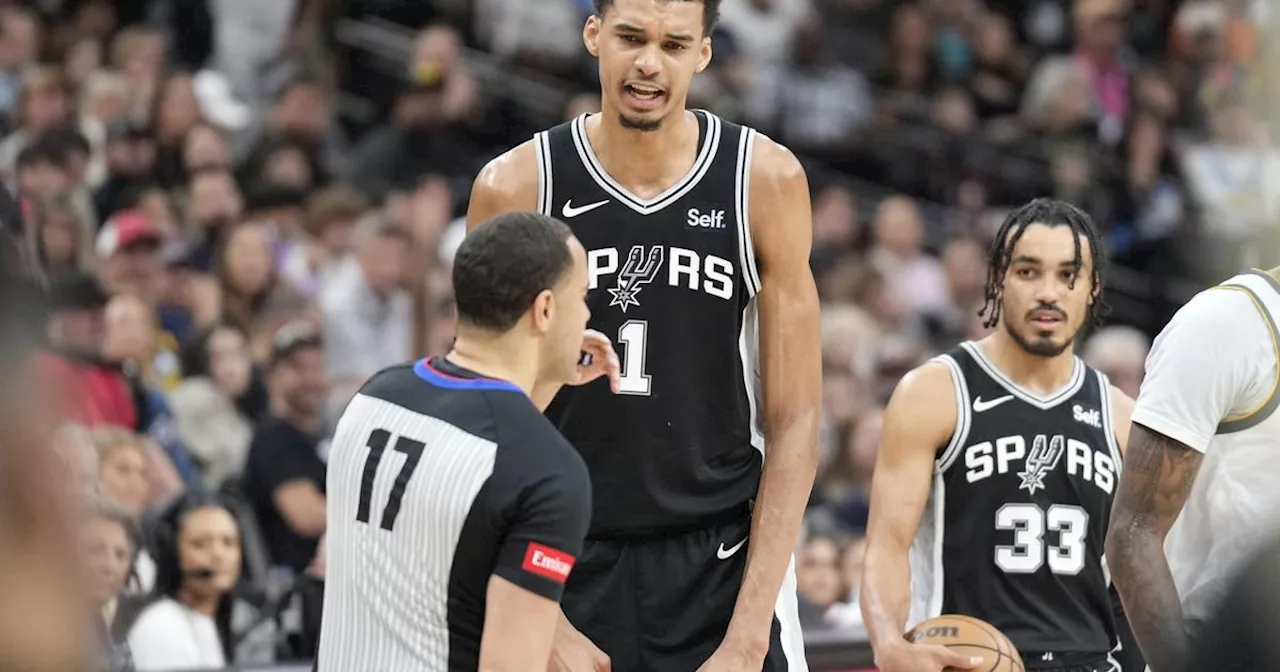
(955, 361)
(1264, 292)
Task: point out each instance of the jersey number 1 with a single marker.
(377, 446)
(634, 337)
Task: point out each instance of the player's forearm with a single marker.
(885, 597)
(1142, 577)
(789, 467)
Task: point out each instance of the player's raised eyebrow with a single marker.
(1026, 259)
(632, 29)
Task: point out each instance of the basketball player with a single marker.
(997, 468)
(1205, 436)
(455, 509)
(697, 234)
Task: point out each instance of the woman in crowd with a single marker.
(194, 620)
(109, 543)
(210, 420)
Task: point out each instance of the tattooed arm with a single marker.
(1158, 473)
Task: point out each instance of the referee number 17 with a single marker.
(377, 444)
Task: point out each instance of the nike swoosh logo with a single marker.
(979, 405)
(725, 554)
(570, 212)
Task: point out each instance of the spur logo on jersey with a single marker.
(639, 271)
(712, 219)
(684, 268)
(1041, 460)
(1007, 453)
(1089, 416)
(548, 562)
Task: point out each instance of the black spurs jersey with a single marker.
(1013, 533)
(438, 479)
(672, 282)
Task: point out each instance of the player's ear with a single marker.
(591, 35)
(544, 310)
(704, 57)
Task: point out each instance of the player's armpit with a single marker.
(519, 627)
(918, 422)
(790, 353)
(1157, 477)
(1122, 406)
(508, 183)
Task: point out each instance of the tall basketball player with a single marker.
(998, 465)
(697, 234)
(1202, 452)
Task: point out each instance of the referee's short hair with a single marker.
(504, 264)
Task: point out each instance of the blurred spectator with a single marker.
(964, 266)
(1000, 70)
(109, 541)
(41, 172)
(769, 26)
(819, 582)
(63, 242)
(19, 46)
(915, 278)
(331, 217)
(137, 52)
(219, 373)
(205, 148)
(91, 391)
(130, 154)
(174, 113)
(368, 316)
(124, 472)
(284, 475)
(1120, 352)
(128, 249)
(815, 104)
(908, 73)
(1233, 174)
(194, 621)
(1100, 35)
(214, 205)
(42, 105)
(245, 272)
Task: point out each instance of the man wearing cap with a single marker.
(284, 474)
(129, 250)
(130, 155)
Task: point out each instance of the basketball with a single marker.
(971, 637)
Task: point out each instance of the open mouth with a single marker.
(1046, 319)
(644, 96)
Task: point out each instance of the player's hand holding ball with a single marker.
(908, 657)
(599, 360)
(951, 642)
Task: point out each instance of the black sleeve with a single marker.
(550, 518)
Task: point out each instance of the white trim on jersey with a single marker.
(787, 610)
(1041, 402)
(542, 148)
(1108, 425)
(939, 531)
(749, 351)
(386, 597)
(964, 416)
(677, 191)
(742, 197)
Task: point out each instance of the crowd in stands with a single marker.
(239, 213)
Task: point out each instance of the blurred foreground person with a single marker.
(1240, 636)
(42, 602)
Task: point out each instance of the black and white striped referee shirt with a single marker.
(439, 478)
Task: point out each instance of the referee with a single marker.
(455, 509)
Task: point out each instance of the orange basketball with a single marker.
(970, 637)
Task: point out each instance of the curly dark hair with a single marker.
(1048, 212)
(710, 11)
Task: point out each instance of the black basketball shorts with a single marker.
(664, 604)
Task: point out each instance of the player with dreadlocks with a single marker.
(997, 468)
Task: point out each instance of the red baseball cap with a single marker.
(126, 229)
